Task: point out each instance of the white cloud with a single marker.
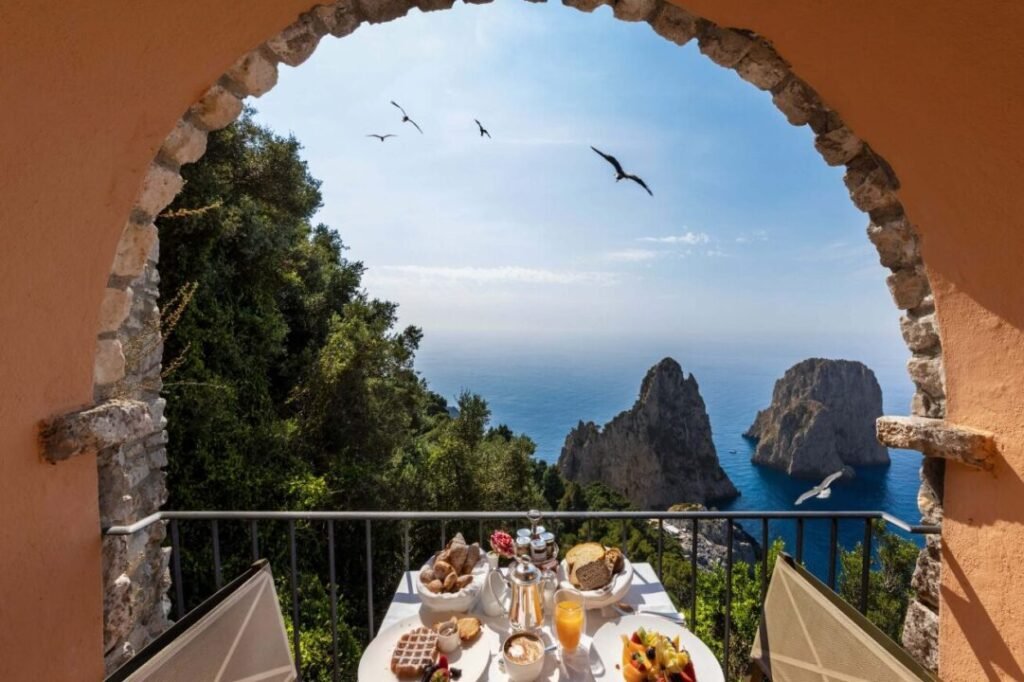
(500, 274)
(690, 238)
(754, 236)
(632, 255)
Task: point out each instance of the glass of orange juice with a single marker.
(570, 619)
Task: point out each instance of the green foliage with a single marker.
(889, 590)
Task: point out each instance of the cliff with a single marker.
(822, 418)
(657, 453)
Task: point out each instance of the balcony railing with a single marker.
(369, 518)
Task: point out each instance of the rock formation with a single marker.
(711, 545)
(822, 418)
(657, 453)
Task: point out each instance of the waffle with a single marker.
(415, 650)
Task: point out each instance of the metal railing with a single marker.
(407, 517)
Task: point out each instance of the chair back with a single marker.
(237, 634)
(809, 634)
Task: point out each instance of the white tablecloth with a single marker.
(646, 590)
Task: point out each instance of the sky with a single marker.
(527, 236)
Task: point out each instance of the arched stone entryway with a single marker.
(127, 363)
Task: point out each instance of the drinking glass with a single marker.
(570, 618)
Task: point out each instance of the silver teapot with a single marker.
(527, 586)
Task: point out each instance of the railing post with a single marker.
(800, 539)
(833, 540)
(334, 599)
(865, 568)
(218, 578)
(179, 592)
(764, 559)
(369, 575)
(296, 627)
(693, 576)
(728, 596)
(661, 539)
(254, 535)
(405, 543)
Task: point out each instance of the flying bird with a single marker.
(483, 131)
(621, 174)
(820, 491)
(382, 137)
(405, 116)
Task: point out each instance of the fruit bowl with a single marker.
(464, 599)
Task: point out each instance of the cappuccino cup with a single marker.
(523, 656)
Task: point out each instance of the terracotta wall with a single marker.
(89, 90)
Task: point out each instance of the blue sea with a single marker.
(544, 389)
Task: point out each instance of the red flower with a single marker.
(502, 544)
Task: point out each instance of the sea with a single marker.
(543, 389)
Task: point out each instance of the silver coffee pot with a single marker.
(527, 585)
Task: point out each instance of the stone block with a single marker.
(838, 146)
(114, 309)
(797, 101)
(252, 75)
(108, 367)
(95, 428)
(871, 183)
(216, 109)
(380, 11)
(340, 19)
(297, 42)
(921, 634)
(924, 405)
(938, 438)
(185, 144)
(896, 242)
(920, 333)
(159, 188)
(133, 250)
(908, 287)
(762, 66)
(634, 10)
(927, 374)
(724, 46)
(671, 22)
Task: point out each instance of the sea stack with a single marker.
(822, 419)
(657, 453)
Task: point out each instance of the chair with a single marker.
(236, 635)
(809, 634)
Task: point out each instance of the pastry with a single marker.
(463, 581)
(472, 557)
(442, 569)
(415, 650)
(427, 576)
(450, 581)
(435, 586)
(469, 628)
(458, 554)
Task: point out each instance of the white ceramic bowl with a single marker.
(595, 599)
(464, 599)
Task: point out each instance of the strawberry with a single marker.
(442, 662)
(689, 674)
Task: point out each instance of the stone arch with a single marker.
(126, 427)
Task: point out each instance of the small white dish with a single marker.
(448, 637)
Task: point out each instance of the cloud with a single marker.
(631, 255)
(501, 274)
(690, 238)
(754, 236)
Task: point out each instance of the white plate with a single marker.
(596, 599)
(472, 658)
(606, 652)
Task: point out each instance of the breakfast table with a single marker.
(646, 595)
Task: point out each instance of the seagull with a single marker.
(405, 116)
(483, 131)
(382, 137)
(820, 491)
(621, 174)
